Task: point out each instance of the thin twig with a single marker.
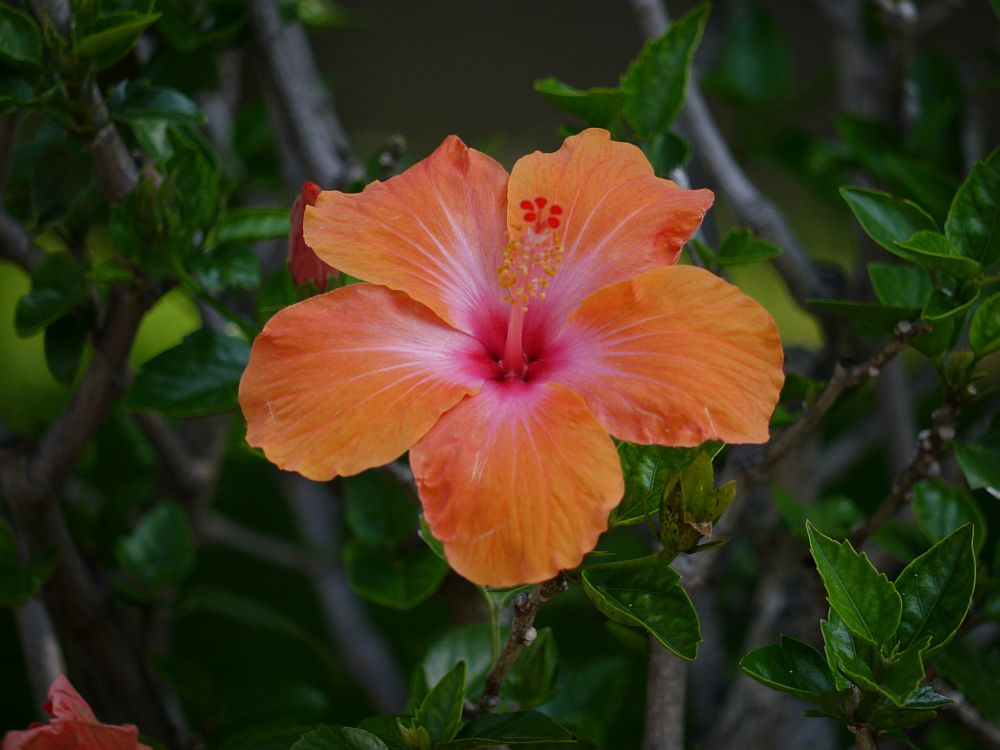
(15, 245)
(970, 717)
(932, 443)
(863, 736)
(522, 633)
(842, 380)
(218, 529)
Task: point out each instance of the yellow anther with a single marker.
(527, 265)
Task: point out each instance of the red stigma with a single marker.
(541, 213)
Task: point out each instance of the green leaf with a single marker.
(934, 250)
(414, 736)
(900, 286)
(905, 673)
(936, 590)
(441, 711)
(918, 708)
(984, 333)
(973, 669)
(878, 316)
(277, 292)
(59, 181)
(469, 644)
(898, 718)
(64, 343)
(600, 107)
(339, 738)
(132, 101)
(533, 675)
(20, 37)
(974, 218)
(740, 246)
(754, 63)
(834, 516)
(387, 729)
(940, 508)
(667, 152)
(839, 642)
(886, 219)
(14, 89)
(859, 673)
(863, 597)
(980, 463)
(691, 506)
(657, 80)
(398, 581)
(227, 267)
(945, 305)
(110, 272)
(256, 614)
(647, 470)
(199, 376)
(514, 729)
(252, 225)
(379, 510)
(159, 552)
(433, 543)
(648, 597)
(57, 286)
(19, 584)
(114, 35)
(793, 667)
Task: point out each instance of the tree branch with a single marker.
(300, 100)
(665, 705)
(43, 658)
(522, 633)
(366, 655)
(751, 205)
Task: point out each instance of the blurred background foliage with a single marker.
(247, 595)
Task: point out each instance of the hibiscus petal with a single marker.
(64, 702)
(616, 218)
(434, 232)
(674, 356)
(79, 735)
(350, 379)
(517, 482)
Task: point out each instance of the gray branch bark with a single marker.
(300, 106)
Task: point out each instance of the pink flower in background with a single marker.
(304, 263)
(73, 727)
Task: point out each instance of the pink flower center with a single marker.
(526, 269)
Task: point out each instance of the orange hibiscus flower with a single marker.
(510, 324)
(73, 727)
